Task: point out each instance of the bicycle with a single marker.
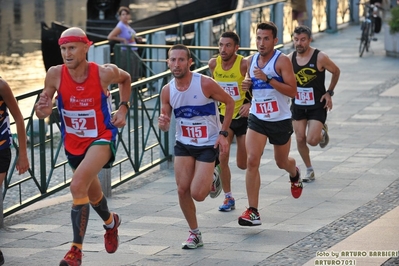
(370, 25)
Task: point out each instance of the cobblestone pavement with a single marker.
(351, 207)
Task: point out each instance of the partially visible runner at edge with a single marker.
(9, 105)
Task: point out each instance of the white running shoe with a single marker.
(326, 139)
(193, 241)
(309, 177)
(217, 183)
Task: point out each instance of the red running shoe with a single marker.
(249, 218)
(72, 258)
(296, 187)
(111, 238)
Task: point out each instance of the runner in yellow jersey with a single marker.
(229, 69)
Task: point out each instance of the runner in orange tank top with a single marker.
(87, 129)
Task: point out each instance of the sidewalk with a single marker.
(352, 206)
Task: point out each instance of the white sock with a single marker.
(195, 231)
(111, 225)
(228, 194)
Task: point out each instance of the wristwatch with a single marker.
(224, 133)
(331, 92)
(269, 78)
(127, 104)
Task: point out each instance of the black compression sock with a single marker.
(101, 207)
(296, 178)
(80, 218)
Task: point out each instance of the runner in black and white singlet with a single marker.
(312, 100)
(193, 100)
(272, 82)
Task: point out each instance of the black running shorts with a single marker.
(309, 114)
(5, 160)
(239, 125)
(279, 132)
(206, 154)
(75, 160)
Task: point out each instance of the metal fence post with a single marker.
(354, 11)
(169, 140)
(99, 54)
(205, 38)
(332, 7)
(105, 180)
(117, 54)
(158, 37)
(278, 19)
(43, 162)
(309, 21)
(244, 20)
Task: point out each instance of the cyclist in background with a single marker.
(378, 13)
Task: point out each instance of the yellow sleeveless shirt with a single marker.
(230, 81)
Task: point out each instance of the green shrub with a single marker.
(394, 21)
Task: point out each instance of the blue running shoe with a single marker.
(228, 204)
